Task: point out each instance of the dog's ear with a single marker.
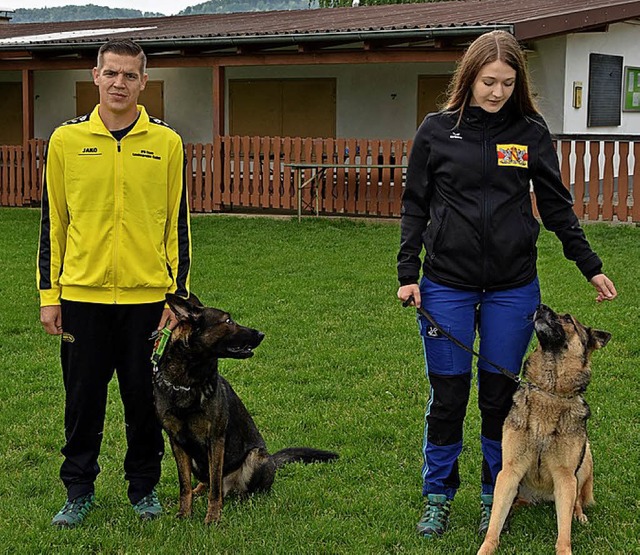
(194, 300)
(598, 338)
(182, 307)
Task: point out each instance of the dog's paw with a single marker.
(199, 489)
(582, 518)
(488, 547)
(212, 518)
(183, 514)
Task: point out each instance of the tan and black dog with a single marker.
(211, 432)
(545, 449)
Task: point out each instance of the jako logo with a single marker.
(90, 150)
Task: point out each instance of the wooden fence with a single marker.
(20, 174)
(253, 174)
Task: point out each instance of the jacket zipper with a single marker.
(485, 202)
(117, 218)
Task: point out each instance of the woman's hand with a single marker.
(407, 291)
(605, 288)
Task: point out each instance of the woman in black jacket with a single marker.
(467, 202)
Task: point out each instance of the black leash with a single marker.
(459, 343)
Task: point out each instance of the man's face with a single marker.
(119, 82)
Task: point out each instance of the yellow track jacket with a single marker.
(115, 216)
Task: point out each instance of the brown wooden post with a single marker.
(253, 161)
(607, 182)
(196, 193)
(318, 150)
(579, 185)
(593, 208)
(27, 107)
(27, 134)
(352, 145)
(289, 194)
(208, 178)
(385, 195)
(329, 176)
(236, 177)
(245, 157)
(218, 185)
(635, 211)
(218, 100)
(621, 210)
(341, 181)
(373, 199)
(275, 194)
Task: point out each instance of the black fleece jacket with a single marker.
(467, 201)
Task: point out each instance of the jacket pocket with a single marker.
(530, 228)
(432, 237)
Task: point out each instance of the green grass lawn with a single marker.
(341, 368)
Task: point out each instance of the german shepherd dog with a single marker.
(210, 431)
(545, 449)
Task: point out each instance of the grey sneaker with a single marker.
(435, 519)
(148, 507)
(486, 504)
(74, 511)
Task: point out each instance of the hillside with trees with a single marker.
(91, 11)
(228, 6)
(75, 13)
(343, 3)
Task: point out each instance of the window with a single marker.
(10, 113)
(432, 95)
(605, 90)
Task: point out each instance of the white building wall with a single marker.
(546, 66)
(55, 98)
(373, 101)
(187, 100)
(622, 39)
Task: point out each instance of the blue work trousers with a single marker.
(504, 323)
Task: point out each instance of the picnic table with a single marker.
(318, 170)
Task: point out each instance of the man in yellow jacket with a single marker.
(114, 239)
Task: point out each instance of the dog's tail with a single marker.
(304, 455)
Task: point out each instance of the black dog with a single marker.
(210, 430)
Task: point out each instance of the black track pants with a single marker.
(98, 340)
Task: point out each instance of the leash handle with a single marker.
(161, 339)
(459, 343)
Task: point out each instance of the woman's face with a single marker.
(493, 86)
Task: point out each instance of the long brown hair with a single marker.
(487, 48)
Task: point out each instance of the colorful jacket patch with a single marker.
(516, 156)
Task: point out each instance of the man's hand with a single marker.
(51, 319)
(168, 319)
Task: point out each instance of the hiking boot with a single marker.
(148, 507)
(486, 504)
(435, 519)
(74, 511)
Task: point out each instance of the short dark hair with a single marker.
(123, 47)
